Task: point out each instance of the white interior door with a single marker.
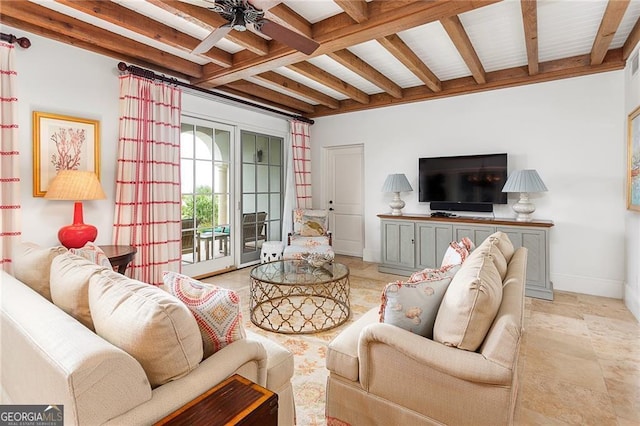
(345, 198)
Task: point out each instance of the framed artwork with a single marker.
(62, 142)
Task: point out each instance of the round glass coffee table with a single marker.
(293, 297)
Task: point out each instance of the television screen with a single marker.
(463, 179)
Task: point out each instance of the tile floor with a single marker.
(580, 357)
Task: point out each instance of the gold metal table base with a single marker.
(278, 303)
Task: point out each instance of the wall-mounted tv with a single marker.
(464, 183)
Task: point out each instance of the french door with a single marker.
(262, 183)
(206, 161)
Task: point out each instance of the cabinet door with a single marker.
(476, 233)
(535, 240)
(398, 240)
(432, 241)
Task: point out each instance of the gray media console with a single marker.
(414, 242)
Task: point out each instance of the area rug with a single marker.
(310, 374)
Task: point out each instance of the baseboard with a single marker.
(632, 300)
(588, 285)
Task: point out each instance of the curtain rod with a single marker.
(153, 76)
(22, 41)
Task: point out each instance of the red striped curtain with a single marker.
(147, 210)
(301, 150)
(9, 166)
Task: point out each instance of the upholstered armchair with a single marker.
(310, 234)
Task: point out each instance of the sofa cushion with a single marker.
(92, 253)
(70, 275)
(502, 241)
(32, 264)
(470, 304)
(413, 305)
(494, 253)
(216, 310)
(153, 326)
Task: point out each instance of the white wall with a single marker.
(632, 218)
(57, 78)
(569, 130)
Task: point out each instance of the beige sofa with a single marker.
(380, 374)
(49, 357)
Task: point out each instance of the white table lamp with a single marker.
(524, 182)
(396, 183)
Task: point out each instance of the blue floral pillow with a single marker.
(413, 306)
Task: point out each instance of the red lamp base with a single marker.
(79, 233)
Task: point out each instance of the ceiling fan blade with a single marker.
(208, 42)
(287, 36)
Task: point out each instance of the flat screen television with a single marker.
(464, 183)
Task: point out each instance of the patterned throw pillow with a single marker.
(92, 253)
(457, 252)
(216, 310)
(414, 306)
(310, 223)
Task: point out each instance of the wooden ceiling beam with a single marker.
(143, 25)
(250, 97)
(317, 74)
(264, 93)
(530, 24)
(613, 15)
(211, 20)
(72, 41)
(287, 17)
(518, 76)
(366, 71)
(293, 86)
(356, 9)
(65, 25)
(460, 39)
(386, 18)
(405, 55)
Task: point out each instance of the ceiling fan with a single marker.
(240, 14)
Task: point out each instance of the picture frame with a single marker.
(62, 142)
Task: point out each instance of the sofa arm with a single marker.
(381, 345)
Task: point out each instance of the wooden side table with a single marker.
(120, 256)
(235, 401)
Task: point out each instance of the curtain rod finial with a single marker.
(122, 66)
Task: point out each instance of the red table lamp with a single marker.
(78, 186)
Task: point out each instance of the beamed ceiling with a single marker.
(372, 53)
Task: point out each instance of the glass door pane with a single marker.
(262, 185)
(206, 198)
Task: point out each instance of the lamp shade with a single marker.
(396, 183)
(524, 181)
(75, 185)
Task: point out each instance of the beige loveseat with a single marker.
(380, 374)
(50, 357)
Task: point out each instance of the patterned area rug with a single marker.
(310, 350)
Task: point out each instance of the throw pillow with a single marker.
(32, 264)
(470, 304)
(314, 223)
(151, 325)
(92, 253)
(413, 306)
(502, 241)
(457, 252)
(70, 275)
(216, 310)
